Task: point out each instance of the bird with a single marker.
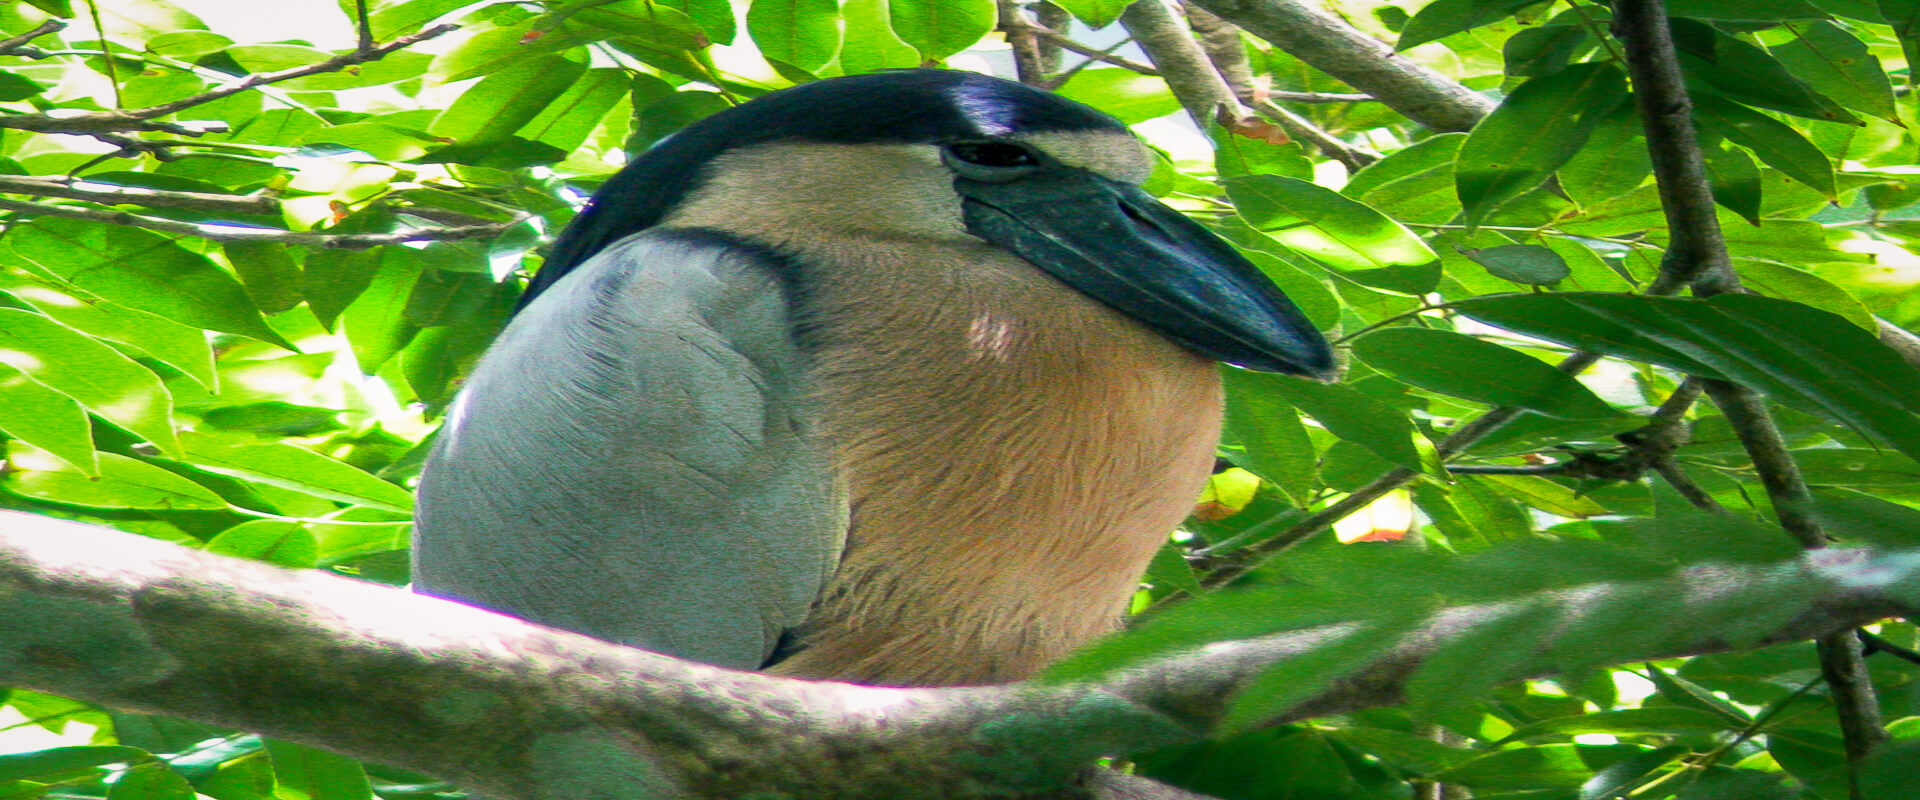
(897, 379)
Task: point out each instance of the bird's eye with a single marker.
(991, 161)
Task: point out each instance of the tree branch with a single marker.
(1185, 67)
(486, 701)
(141, 119)
(236, 233)
(12, 44)
(1332, 46)
(107, 194)
(1697, 257)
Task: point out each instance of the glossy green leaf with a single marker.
(376, 324)
(1546, 495)
(1277, 445)
(44, 764)
(1668, 720)
(1443, 18)
(1361, 242)
(1744, 9)
(268, 272)
(660, 26)
(1129, 96)
(1836, 63)
(1536, 129)
(44, 418)
(1904, 16)
(872, 42)
(566, 122)
(1735, 181)
(284, 544)
(182, 347)
(1775, 279)
(1799, 355)
(803, 34)
(305, 773)
(940, 28)
(507, 100)
(122, 483)
(1528, 264)
(1464, 366)
(297, 468)
(150, 781)
(1414, 184)
(1096, 13)
(1351, 415)
(142, 270)
(1723, 64)
(93, 374)
(1776, 143)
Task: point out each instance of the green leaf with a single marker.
(501, 103)
(1627, 721)
(940, 28)
(1715, 62)
(1352, 416)
(93, 374)
(1774, 279)
(1801, 356)
(1545, 495)
(872, 44)
(296, 468)
(1129, 96)
(1735, 181)
(1463, 366)
(150, 781)
(1553, 765)
(1361, 242)
(1443, 18)
(1536, 129)
(567, 121)
(376, 323)
(1414, 184)
(305, 773)
(15, 87)
(285, 544)
(1776, 143)
(1096, 13)
(143, 270)
(1837, 64)
(122, 483)
(1289, 681)
(182, 347)
(1904, 16)
(804, 34)
(45, 419)
(1277, 445)
(1528, 264)
(659, 26)
(45, 764)
(1620, 779)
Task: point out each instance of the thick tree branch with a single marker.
(1332, 46)
(1185, 67)
(490, 702)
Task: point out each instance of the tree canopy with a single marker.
(1622, 291)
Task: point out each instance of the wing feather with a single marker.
(631, 460)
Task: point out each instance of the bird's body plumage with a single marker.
(820, 413)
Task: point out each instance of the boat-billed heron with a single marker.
(897, 379)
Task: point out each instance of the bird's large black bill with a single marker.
(1119, 245)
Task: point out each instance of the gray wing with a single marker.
(631, 460)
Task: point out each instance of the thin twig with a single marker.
(235, 233)
(9, 45)
(143, 119)
(107, 194)
(1053, 37)
(1303, 129)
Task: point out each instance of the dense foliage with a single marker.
(229, 318)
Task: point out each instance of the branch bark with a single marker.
(512, 710)
(1332, 46)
